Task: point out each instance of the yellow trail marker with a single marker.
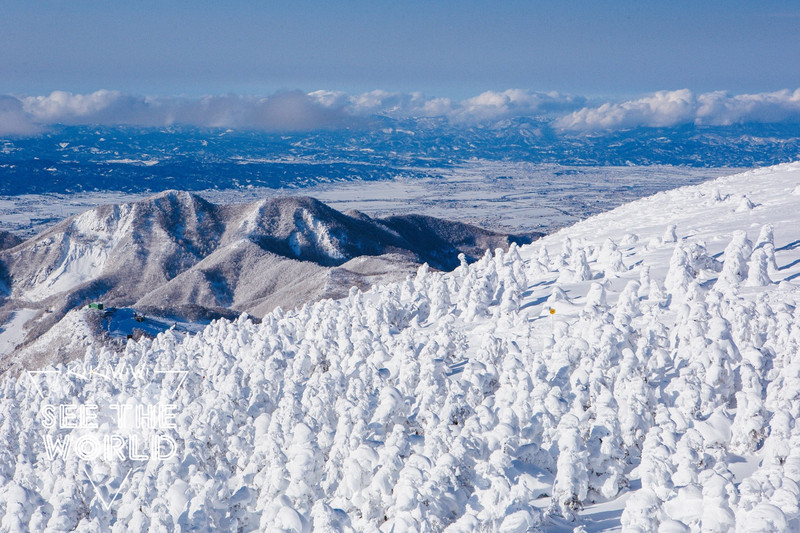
(552, 311)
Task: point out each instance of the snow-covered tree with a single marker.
(610, 258)
(734, 267)
(757, 269)
(572, 481)
(670, 234)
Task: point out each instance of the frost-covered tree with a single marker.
(655, 467)
(642, 512)
(610, 258)
(606, 453)
(633, 394)
(572, 481)
(757, 269)
(578, 269)
(719, 498)
(744, 205)
(539, 264)
(628, 305)
(325, 519)
(512, 283)
(670, 234)
(567, 249)
(680, 274)
(766, 242)
(596, 297)
(762, 518)
(736, 255)
(749, 426)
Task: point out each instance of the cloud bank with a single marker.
(285, 111)
(490, 105)
(13, 118)
(298, 111)
(673, 108)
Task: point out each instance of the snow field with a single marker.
(665, 382)
(13, 332)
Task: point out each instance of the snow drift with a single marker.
(643, 362)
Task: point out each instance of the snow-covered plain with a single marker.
(636, 371)
(499, 195)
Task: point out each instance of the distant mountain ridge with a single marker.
(176, 254)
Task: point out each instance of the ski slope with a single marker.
(637, 371)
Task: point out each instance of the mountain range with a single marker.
(177, 256)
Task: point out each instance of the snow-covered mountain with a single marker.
(637, 371)
(178, 255)
(8, 240)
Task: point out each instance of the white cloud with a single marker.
(13, 119)
(295, 110)
(396, 105)
(514, 102)
(718, 108)
(285, 111)
(672, 108)
(490, 105)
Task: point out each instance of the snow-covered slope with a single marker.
(637, 371)
(8, 240)
(175, 251)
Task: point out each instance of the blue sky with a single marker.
(445, 48)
